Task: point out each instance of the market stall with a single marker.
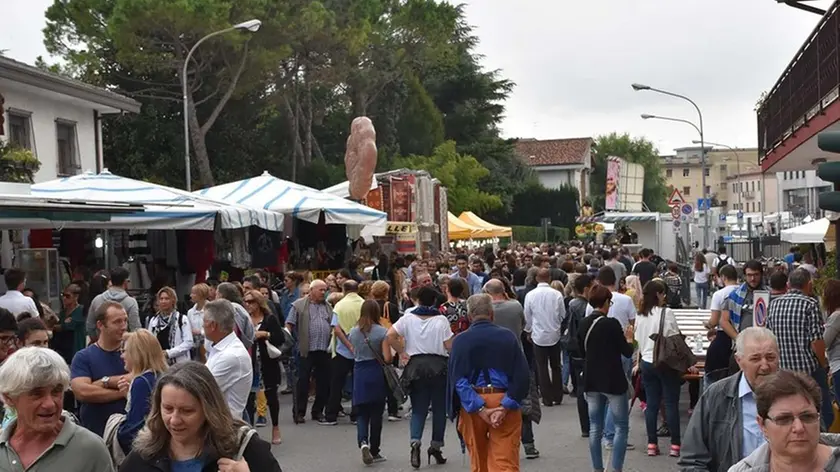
(271, 193)
(459, 229)
(407, 196)
(814, 232)
(491, 230)
(165, 208)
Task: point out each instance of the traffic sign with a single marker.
(740, 215)
(722, 217)
(677, 226)
(685, 218)
(675, 212)
(687, 209)
(704, 203)
(676, 198)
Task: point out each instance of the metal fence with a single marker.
(758, 246)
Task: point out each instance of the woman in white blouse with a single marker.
(428, 338)
(172, 329)
(661, 383)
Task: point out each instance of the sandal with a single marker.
(675, 451)
(652, 450)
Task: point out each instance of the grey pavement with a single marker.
(314, 448)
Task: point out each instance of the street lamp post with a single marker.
(641, 87)
(737, 164)
(250, 25)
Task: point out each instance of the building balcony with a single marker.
(748, 195)
(803, 101)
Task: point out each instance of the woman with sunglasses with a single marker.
(788, 405)
(69, 335)
(267, 329)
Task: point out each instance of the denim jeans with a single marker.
(618, 406)
(527, 430)
(661, 385)
(609, 424)
(827, 410)
(702, 290)
(369, 425)
(566, 370)
(425, 393)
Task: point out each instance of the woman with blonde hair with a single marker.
(190, 428)
(172, 329)
(199, 295)
(389, 314)
(267, 329)
(634, 290)
(144, 362)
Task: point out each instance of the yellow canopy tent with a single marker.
(461, 230)
(491, 230)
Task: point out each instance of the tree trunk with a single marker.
(307, 146)
(199, 148)
(292, 125)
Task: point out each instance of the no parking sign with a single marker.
(760, 301)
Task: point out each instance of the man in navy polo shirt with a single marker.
(96, 371)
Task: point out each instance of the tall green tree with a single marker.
(634, 150)
(460, 174)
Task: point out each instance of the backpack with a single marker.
(163, 334)
(722, 262)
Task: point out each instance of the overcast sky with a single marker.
(573, 61)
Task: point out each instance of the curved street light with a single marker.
(251, 25)
(643, 87)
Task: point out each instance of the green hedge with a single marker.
(536, 234)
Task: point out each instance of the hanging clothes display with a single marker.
(263, 247)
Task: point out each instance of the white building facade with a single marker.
(559, 162)
(58, 119)
(799, 192)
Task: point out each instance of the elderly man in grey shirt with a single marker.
(510, 314)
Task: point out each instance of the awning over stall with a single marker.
(165, 207)
(271, 193)
(809, 233)
(628, 217)
(27, 211)
(459, 229)
(491, 230)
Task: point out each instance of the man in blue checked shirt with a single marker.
(737, 309)
(488, 381)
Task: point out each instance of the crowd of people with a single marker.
(486, 339)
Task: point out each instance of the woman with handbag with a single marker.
(657, 321)
(190, 428)
(390, 314)
(372, 355)
(268, 337)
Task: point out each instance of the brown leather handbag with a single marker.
(671, 352)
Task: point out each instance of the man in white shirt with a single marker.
(14, 300)
(227, 357)
(544, 314)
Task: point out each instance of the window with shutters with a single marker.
(67, 148)
(20, 129)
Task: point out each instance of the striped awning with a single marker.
(618, 218)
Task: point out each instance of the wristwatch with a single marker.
(105, 381)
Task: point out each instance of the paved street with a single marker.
(314, 448)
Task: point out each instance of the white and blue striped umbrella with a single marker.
(165, 207)
(267, 192)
